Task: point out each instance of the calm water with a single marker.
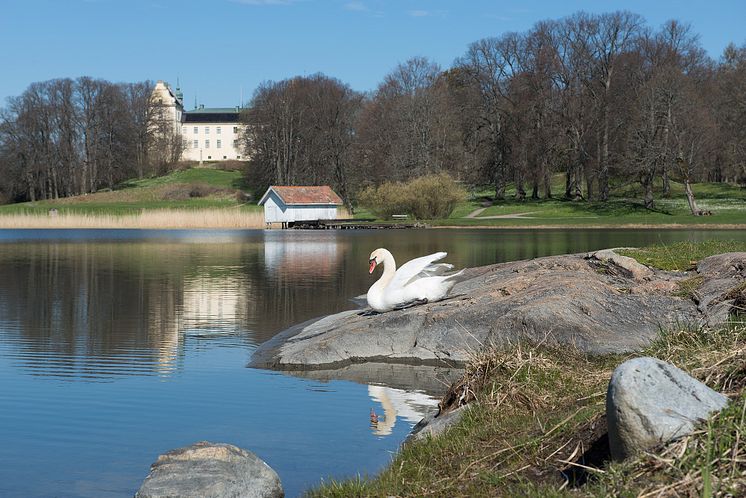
(116, 346)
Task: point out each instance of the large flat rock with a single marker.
(596, 304)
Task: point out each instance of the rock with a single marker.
(558, 300)
(624, 264)
(722, 290)
(214, 470)
(651, 402)
(434, 424)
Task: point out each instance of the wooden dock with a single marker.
(349, 224)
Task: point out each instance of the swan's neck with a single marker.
(389, 269)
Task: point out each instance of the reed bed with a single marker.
(146, 219)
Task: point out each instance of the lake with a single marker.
(118, 345)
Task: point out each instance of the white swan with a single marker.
(418, 281)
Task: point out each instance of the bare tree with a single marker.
(301, 131)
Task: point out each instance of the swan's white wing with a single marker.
(410, 270)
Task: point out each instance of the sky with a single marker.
(221, 50)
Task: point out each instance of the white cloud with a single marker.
(265, 2)
(356, 6)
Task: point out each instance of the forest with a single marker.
(68, 137)
(603, 99)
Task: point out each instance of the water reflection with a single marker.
(397, 404)
(139, 340)
(304, 257)
(100, 306)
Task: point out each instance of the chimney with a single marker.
(202, 106)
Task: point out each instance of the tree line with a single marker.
(67, 137)
(602, 98)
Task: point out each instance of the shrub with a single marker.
(426, 197)
(434, 196)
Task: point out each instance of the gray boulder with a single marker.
(210, 470)
(623, 264)
(651, 402)
(722, 290)
(435, 424)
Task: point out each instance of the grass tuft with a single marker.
(682, 256)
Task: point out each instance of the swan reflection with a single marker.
(396, 403)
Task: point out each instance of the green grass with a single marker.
(726, 202)
(207, 176)
(681, 256)
(151, 193)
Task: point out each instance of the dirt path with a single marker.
(475, 215)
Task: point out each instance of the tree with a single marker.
(301, 131)
(67, 137)
(489, 64)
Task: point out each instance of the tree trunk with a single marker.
(690, 199)
(569, 181)
(648, 186)
(603, 173)
(666, 133)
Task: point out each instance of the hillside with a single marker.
(198, 197)
(193, 188)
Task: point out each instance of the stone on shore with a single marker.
(435, 424)
(722, 290)
(210, 470)
(623, 264)
(650, 402)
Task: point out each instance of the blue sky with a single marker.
(217, 48)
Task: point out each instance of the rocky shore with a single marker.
(598, 303)
(595, 303)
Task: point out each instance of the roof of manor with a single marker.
(322, 194)
(212, 115)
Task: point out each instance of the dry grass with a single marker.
(538, 429)
(147, 219)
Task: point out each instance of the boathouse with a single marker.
(287, 205)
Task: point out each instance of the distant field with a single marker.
(203, 194)
(192, 198)
(726, 202)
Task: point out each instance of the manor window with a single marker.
(207, 130)
(207, 144)
(196, 144)
(218, 144)
(217, 130)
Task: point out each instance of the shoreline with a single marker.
(629, 226)
(192, 222)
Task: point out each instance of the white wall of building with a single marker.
(168, 107)
(211, 141)
(275, 211)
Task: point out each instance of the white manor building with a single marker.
(207, 134)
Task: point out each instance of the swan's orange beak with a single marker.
(372, 265)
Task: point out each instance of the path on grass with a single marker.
(475, 215)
